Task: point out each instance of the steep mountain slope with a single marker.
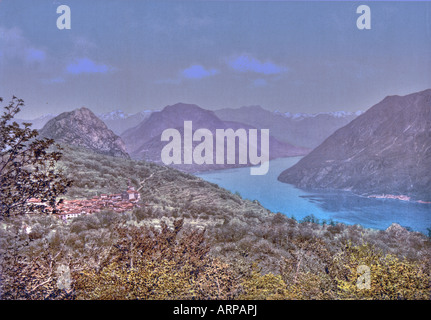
(301, 130)
(170, 117)
(83, 128)
(144, 141)
(386, 150)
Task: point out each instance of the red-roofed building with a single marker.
(120, 202)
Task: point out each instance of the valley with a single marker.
(244, 242)
(248, 228)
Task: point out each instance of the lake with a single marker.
(339, 206)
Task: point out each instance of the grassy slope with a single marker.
(237, 228)
(297, 260)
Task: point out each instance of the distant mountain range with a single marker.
(300, 129)
(38, 122)
(144, 140)
(306, 130)
(384, 151)
(119, 121)
(335, 114)
(139, 135)
(81, 127)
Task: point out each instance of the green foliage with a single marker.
(245, 252)
(146, 263)
(391, 278)
(27, 168)
(264, 287)
(310, 218)
(145, 280)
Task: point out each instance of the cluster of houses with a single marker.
(120, 202)
(390, 196)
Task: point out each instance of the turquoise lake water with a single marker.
(342, 207)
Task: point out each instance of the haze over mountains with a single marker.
(82, 127)
(119, 121)
(301, 129)
(38, 122)
(306, 130)
(386, 150)
(144, 140)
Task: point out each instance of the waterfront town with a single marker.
(119, 202)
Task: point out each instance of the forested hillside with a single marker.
(194, 240)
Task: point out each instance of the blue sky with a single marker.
(282, 55)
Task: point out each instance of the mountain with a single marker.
(119, 121)
(82, 127)
(307, 130)
(384, 151)
(144, 140)
(334, 114)
(170, 117)
(38, 122)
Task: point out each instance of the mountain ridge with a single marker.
(81, 127)
(386, 150)
(144, 140)
(307, 131)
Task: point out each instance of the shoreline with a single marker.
(397, 197)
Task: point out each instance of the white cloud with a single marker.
(247, 63)
(86, 65)
(16, 47)
(194, 72)
(198, 72)
(35, 55)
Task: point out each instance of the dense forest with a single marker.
(195, 240)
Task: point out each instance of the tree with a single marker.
(258, 286)
(390, 278)
(147, 263)
(27, 166)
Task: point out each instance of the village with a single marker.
(69, 209)
(390, 196)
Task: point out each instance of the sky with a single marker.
(282, 55)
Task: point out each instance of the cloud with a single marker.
(198, 72)
(194, 72)
(245, 63)
(35, 55)
(85, 65)
(18, 49)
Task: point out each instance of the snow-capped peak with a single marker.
(335, 114)
(114, 115)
